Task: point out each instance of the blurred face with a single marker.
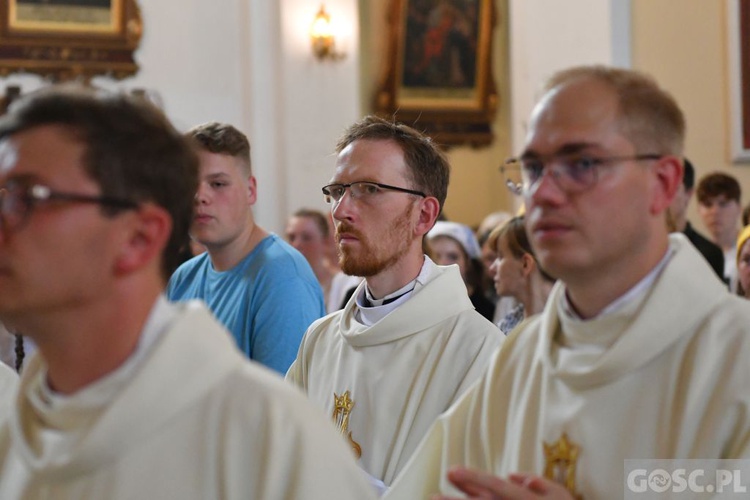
(447, 251)
(304, 235)
(582, 235)
(222, 203)
(721, 217)
(743, 267)
(374, 233)
(65, 254)
(488, 257)
(507, 271)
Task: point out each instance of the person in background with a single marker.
(409, 342)
(743, 263)
(517, 273)
(455, 243)
(719, 206)
(309, 233)
(255, 283)
(130, 396)
(637, 334)
(503, 305)
(678, 218)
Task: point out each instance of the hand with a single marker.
(484, 486)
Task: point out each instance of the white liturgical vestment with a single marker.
(384, 385)
(664, 375)
(193, 420)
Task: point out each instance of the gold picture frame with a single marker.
(69, 39)
(438, 75)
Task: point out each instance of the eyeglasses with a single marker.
(18, 200)
(362, 190)
(572, 173)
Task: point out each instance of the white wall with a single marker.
(549, 35)
(318, 99)
(249, 63)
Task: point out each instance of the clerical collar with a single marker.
(369, 301)
(369, 310)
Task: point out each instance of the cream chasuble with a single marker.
(666, 375)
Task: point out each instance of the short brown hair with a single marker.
(222, 138)
(650, 116)
(428, 166)
(132, 151)
(717, 184)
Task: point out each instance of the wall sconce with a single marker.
(321, 36)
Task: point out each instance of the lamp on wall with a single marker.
(321, 35)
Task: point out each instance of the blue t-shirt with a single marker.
(267, 300)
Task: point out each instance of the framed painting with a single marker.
(738, 20)
(438, 74)
(69, 39)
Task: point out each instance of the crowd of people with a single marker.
(162, 344)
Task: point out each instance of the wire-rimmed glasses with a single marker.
(572, 173)
(362, 190)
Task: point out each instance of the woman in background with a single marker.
(517, 273)
(455, 243)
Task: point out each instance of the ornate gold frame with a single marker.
(69, 41)
(451, 114)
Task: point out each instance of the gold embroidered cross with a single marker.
(560, 460)
(342, 408)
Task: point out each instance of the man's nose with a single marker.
(546, 188)
(343, 208)
(201, 196)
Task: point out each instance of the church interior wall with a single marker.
(250, 64)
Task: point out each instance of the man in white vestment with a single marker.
(640, 352)
(408, 343)
(129, 396)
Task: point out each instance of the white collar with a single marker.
(369, 315)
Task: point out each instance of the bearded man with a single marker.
(409, 342)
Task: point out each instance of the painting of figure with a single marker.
(440, 43)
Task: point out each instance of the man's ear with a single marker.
(668, 170)
(252, 190)
(429, 208)
(146, 233)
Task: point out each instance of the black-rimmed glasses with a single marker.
(572, 173)
(18, 201)
(362, 190)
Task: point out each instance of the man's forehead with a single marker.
(218, 164)
(719, 198)
(573, 117)
(370, 159)
(300, 223)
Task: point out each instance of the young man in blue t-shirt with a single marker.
(261, 288)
